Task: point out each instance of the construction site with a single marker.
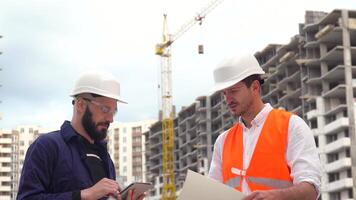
(311, 76)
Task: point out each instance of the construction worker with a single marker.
(268, 153)
(73, 162)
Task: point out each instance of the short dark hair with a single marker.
(248, 80)
(95, 95)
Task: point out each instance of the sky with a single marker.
(47, 44)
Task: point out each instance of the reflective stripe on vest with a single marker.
(273, 183)
(234, 182)
(262, 174)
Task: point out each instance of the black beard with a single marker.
(90, 127)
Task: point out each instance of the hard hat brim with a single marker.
(224, 85)
(117, 98)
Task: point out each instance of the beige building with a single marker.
(5, 164)
(22, 138)
(126, 145)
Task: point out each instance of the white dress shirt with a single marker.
(302, 156)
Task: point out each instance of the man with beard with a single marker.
(269, 153)
(73, 163)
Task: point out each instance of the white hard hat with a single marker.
(235, 69)
(98, 82)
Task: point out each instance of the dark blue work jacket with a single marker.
(55, 166)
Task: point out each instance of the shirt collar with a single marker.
(68, 133)
(260, 117)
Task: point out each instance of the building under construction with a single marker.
(311, 76)
(196, 128)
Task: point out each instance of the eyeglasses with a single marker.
(103, 108)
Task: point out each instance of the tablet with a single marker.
(138, 189)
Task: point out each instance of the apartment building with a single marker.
(126, 145)
(5, 164)
(314, 77)
(22, 138)
(330, 64)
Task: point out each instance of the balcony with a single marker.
(5, 169)
(136, 143)
(336, 55)
(314, 81)
(337, 145)
(155, 134)
(155, 145)
(4, 189)
(338, 165)
(339, 185)
(338, 91)
(5, 178)
(312, 114)
(5, 141)
(313, 63)
(337, 125)
(137, 154)
(292, 78)
(333, 34)
(273, 60)
(336, 109)
(311, 44)
(272, 91)
(291, 94)
(338, 73)
(156, 156)
(5, 159)
(217, 104)
(6, 150)
(154, 167)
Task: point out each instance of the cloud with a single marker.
(47, 44)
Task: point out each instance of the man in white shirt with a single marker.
(268, 153)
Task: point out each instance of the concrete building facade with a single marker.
(126, 145)
(5, 164)
(22, 138)
(314, 76)
(196, 128)
(13, 147)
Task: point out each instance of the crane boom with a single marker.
(198, 18)
(163, 49)
(170, 38)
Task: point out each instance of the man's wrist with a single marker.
(84, 194)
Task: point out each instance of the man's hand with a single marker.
(131, 194)
(303, 190)
(264, 195)
(105, 187)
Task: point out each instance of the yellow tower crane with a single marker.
(163, 50)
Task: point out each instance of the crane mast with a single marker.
(169, 189)
(163, 50)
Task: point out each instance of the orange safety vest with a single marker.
(268, 167)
